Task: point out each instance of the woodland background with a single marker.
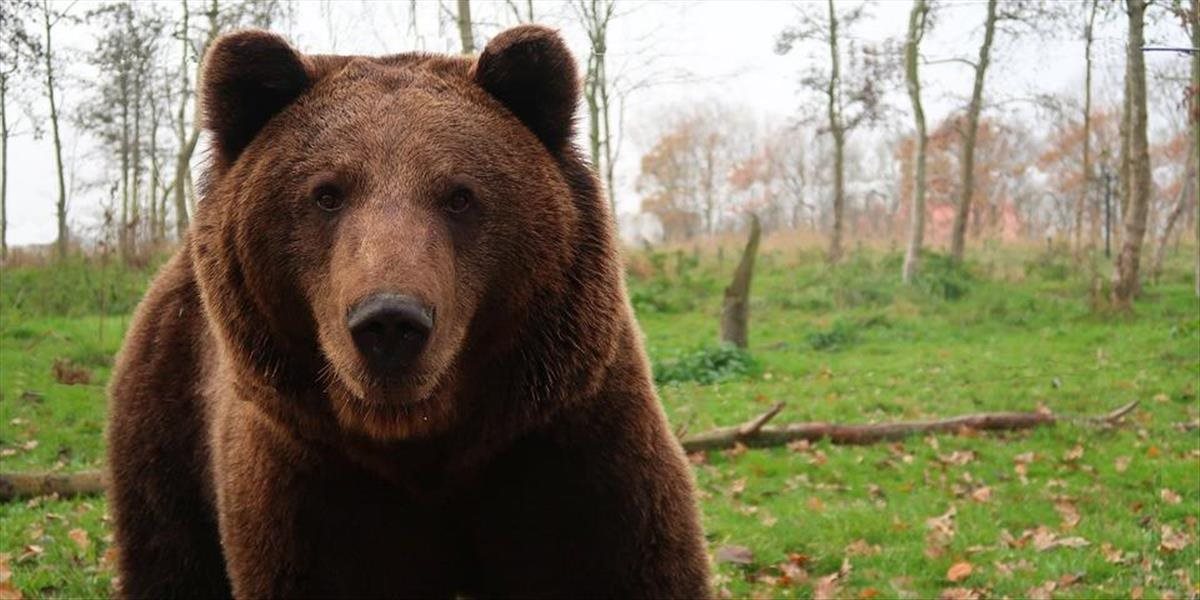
(1029, 249)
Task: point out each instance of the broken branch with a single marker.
(755, 433)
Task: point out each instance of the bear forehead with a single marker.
(403, 93)
(393, 74)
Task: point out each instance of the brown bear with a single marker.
(394, 355)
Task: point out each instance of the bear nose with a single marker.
(390, 330)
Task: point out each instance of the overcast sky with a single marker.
(709, 49)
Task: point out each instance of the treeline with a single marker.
(1085, 174)
(138, 104)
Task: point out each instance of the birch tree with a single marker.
(917, 23)
(1125, 272)
(21, 50)
(50, 19)
(1085, 192)
(595, 16)
(851, 100)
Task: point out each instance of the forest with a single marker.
(919, 281)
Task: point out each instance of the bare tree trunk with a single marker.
(1123, 168)
(1195, 117)
(735, 310)
(464, 27)
(594, 16)
(916, 230)
(187, 143)
(1125, 276)
(1085, 193)
(155, 171)
(3, 166)
(1181, 204)
(710, 208)
(61, 205)
(837, 129)
(967, 162)
(136, 166)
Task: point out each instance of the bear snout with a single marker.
(389, 330)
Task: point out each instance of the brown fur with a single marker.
(253, 453)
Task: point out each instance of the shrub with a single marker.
(706, 365)
(842, 333)
(942, 278)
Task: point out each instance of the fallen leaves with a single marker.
(1173, 541)
(959, 571)
(861, 547)
(1169, 496)
(80, 537)
(7, 590)
(958, 593)
(1121, 464)
(1068, 512)
(827, 587)
(941, 533)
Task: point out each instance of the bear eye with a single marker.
(329, 199)
(458, 202)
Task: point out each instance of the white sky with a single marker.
(725, 48)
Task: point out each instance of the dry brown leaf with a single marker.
(861, 547)
(8, 592)
(956, 593)
(1069, 513)
(1024, 458)
(957, 457)
(815, 504)
(1042, 592)
(1169, 496)
(738, 486)
(1173, 541)
(1074, 454)
(959, 571)
(80, 537)
(1111, 554)
(826, 588)
(1121, 464)
(31, 552)
(738, 555)
(982, 494)
(791, 574)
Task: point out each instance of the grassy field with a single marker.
(1075, 510)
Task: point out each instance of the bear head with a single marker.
(400, 246)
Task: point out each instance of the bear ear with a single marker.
(530, 70)
(249, 76)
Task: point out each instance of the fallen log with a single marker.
(754, 432)
(757, 433)
(26, 485)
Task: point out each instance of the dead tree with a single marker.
(735, 311)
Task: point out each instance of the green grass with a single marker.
(1010, 331)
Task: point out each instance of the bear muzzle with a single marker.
(390, 331)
